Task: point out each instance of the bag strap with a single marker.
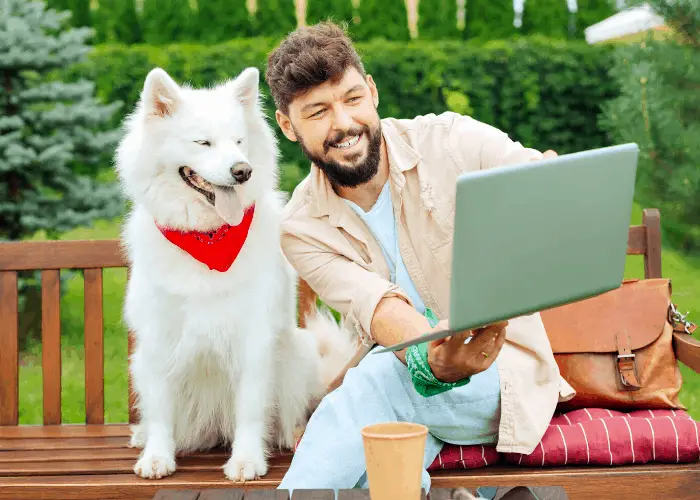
(626, 366)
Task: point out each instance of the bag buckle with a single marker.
(676, 318)
(626, 367)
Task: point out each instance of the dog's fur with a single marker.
(218, 355)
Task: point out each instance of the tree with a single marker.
(382, 19)
(275, 18)
(488, 19)
(339, 11)
(117, 21)
(51, 145)
(659, 108)
(232, 20)
(167, 21)
(546, 17)
(437, 19)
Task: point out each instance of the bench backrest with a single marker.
(92, 257)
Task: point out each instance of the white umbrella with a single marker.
(627, 22)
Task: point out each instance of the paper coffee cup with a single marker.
(394, 455)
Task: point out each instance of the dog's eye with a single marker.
(203, 143)
(239, 142)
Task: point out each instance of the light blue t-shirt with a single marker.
(380, 221)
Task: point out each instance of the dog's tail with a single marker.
(338, 348)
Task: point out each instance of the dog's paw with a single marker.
(152, 466)
(138, 437)
(241, 469)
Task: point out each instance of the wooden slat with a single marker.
(57, 445)
(687, 350)
(94, 348)
(65, 431)
(9, 349)
(51, 345)
(221, 494)
(267, 495)
(637, 240)
(75, 254)
(313, 495)
(652, 258)
(177, 495)
(356, 494)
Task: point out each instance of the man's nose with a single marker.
(343, 121)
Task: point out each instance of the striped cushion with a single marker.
(594, 437)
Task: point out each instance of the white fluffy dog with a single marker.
(218, 357)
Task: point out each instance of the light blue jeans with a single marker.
(379, 389)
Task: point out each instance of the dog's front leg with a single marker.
(252, 405)
(156, 405)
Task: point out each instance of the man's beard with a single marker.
(349, 176)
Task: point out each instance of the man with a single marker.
(370, 230)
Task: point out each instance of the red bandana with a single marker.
(217, 249)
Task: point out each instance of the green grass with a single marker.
(683, 270)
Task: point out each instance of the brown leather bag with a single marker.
(616, 349)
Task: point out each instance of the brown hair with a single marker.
(308, 57)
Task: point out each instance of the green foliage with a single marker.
(222, 20)
(340, 11)
(117, 21)
(659, 108)
(437, 20)
(489, 19)
(385, 19)
(545, 94)
(167, 21)
(274, 18)
(82, 15)
(546, 18)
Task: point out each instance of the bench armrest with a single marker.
(687, 350)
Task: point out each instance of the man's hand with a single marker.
(451, 359)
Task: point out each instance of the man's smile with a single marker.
(349, 143)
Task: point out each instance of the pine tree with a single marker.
(52, 138)
(48, 128)
(659, 109)
(488, 19)
(382, 19)
(437, 19)
(338, 11)
(274, 18)
(167, 21)
(546, 17)
(232, 20)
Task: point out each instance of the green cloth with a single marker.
(424, 381)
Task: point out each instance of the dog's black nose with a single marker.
(241, 172)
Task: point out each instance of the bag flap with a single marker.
(636, 312)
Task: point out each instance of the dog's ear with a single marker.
(245, 87)
(161, 94)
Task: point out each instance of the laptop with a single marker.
(537, 235)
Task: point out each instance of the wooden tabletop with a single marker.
(502, 493)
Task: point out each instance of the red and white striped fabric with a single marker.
(594, 437)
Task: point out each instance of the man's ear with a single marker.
(285, 125)
(373, 90)
(160, 95)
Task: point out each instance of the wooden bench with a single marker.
(93, 461)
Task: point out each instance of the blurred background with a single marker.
(566, 75)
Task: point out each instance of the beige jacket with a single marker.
(334, 252)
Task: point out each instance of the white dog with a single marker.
(211, 299)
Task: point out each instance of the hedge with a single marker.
(546, 94)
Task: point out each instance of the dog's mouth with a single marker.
(224, 199)
(196, 182)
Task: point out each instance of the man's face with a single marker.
(338, 128)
